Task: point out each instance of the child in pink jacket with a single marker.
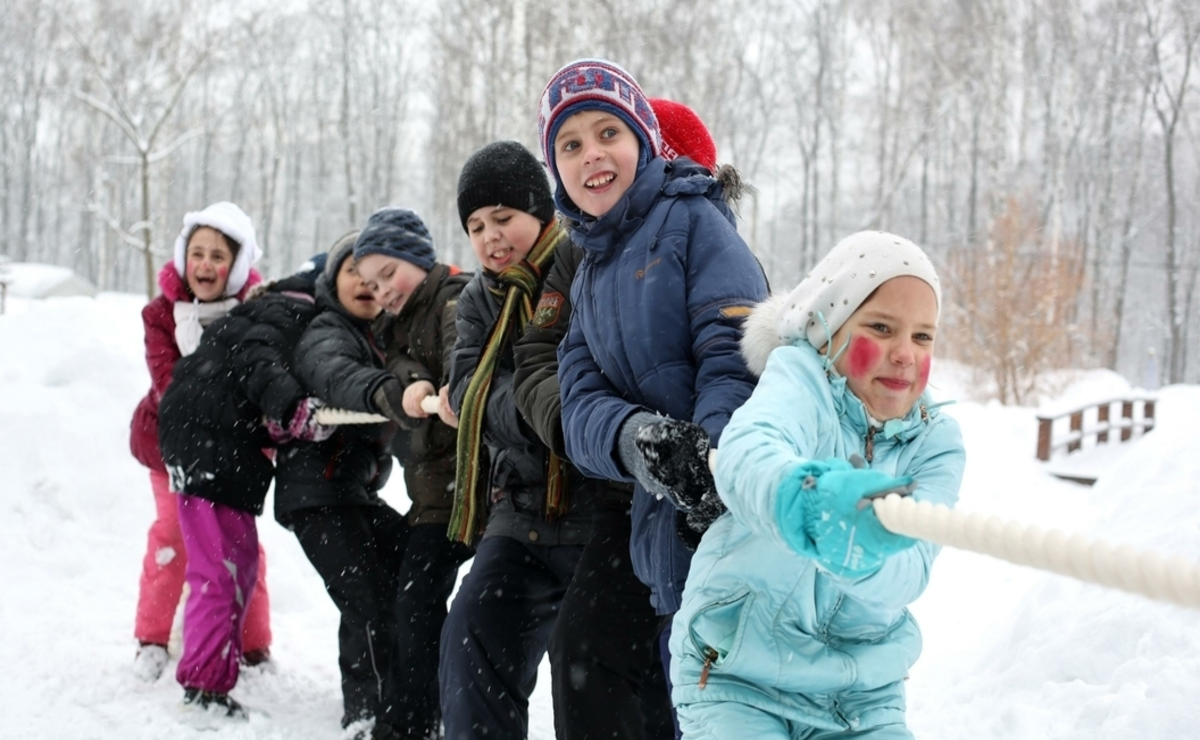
(211, 273)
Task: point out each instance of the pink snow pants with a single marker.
(163, 573)
(222, 567)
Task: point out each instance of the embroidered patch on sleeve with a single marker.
(736, 312)
(548, 309)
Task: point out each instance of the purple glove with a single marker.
(304, 424)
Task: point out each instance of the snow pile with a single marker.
(36, 280)
(1010, 652)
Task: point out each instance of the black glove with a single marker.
(389, 400)
(675, 454)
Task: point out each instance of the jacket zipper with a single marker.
(870, 450)
(710, 655)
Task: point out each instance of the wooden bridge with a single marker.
(1089, 427)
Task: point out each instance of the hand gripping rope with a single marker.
(333, 417)
(1175, 579)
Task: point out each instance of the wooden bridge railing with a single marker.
(1137, 416)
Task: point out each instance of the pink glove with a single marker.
(304, 424)
(278, 434)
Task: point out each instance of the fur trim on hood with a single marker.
(761, 336)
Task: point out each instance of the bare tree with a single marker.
(1172, 49)
(140, 113)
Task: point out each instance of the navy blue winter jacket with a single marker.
(659, 301)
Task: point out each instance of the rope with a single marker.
(1175, 579)
(1144, 572)
(334, 417)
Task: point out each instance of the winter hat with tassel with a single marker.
(832, 292)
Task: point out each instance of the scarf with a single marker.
(191, 317)
(519, 284)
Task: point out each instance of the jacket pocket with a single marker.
(716, 631)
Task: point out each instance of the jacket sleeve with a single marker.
(161, 350)
(724, 282)
(331, 365)
(780, 427)
(535, 381)
(937, 467)
(502, 426)
(592, 411)
(262, 360)
(448, 299)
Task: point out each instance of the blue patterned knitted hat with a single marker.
(596, 84)
(397, 232)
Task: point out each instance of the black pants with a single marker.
(357, 551)
(496, 635)
(390, 582)
(608, 680)
(426, 578)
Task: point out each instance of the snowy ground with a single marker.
(1010, 652)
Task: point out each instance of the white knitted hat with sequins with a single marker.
(843, 281)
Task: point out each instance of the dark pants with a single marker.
(608, 680)
(357, 551)
(496, 635)
(390, 582)
(426, 578)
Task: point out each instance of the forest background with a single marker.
(1046, 154)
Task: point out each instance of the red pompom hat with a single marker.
(684, 134)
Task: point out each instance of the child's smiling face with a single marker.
(502, 236)
(891, 347)
(596, 155)
(209, 259)
(353, 293)
(391, 280)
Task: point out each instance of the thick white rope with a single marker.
(333, 417)
(1175, 579)
(1144, 572)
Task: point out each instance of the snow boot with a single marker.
(212, 702)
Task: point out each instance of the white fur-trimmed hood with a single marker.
(761, 335)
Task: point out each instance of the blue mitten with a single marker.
(824, 511)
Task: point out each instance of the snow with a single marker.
(1009, 652)
(36, 280)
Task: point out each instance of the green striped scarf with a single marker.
(521, 279)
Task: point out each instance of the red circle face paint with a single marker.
(923, 373)
(861, 356)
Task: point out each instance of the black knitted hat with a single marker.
(504, 173)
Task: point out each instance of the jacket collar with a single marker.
(659, 177)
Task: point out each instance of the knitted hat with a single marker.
(684, 134)
(504, 173)
(231, 221)
(596, 84)
(843, 281)
(337, 254)
(396, 232)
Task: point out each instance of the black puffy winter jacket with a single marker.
(338, 361)
(210, 419)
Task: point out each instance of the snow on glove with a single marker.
(675, 454)
(304, 426)
(827, 516)
(691, 525)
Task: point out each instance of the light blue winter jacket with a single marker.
(783, 635)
